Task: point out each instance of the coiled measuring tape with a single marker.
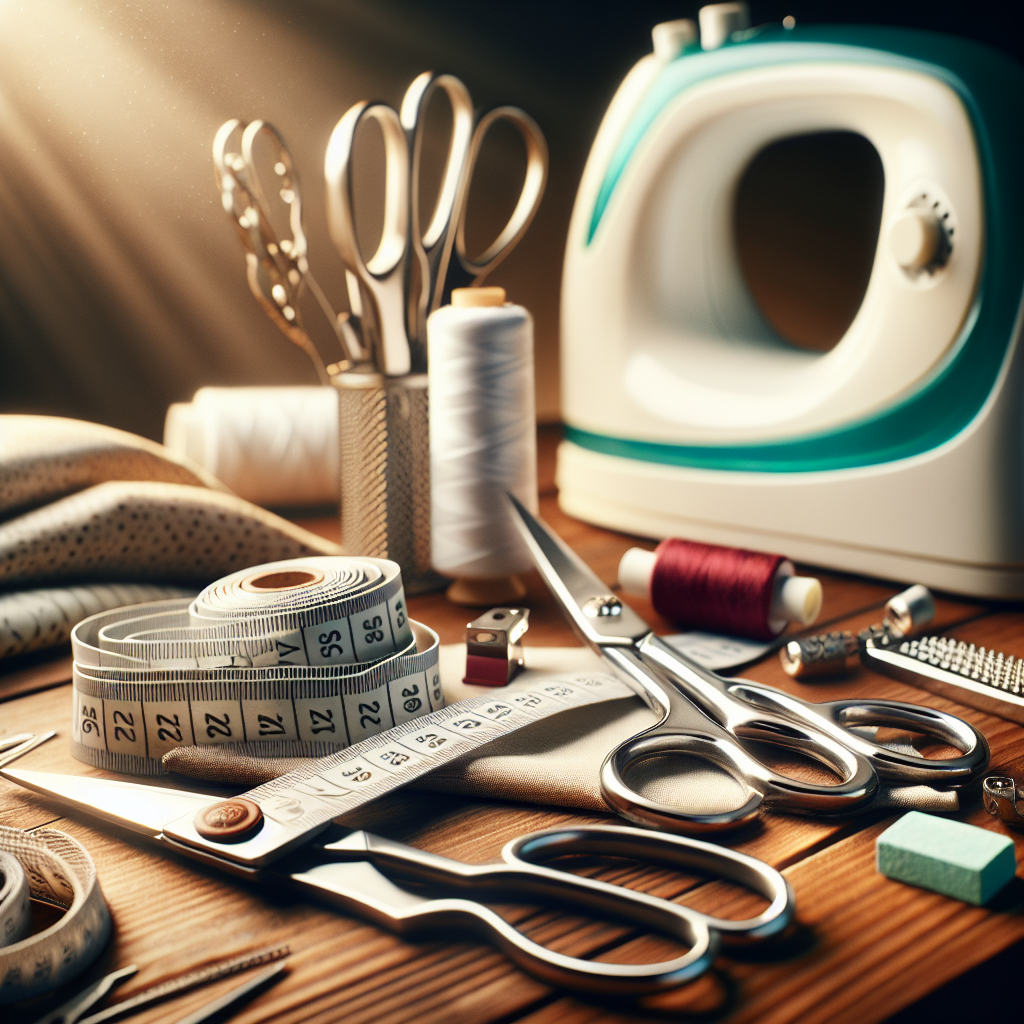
(57, 870)
(295, 658)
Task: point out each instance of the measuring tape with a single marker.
(58, 870)
(307, 798)
(294, 658)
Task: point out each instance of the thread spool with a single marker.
(720, 589)
(483, 442)
(273, 446)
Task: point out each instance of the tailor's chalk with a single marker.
(958, 860)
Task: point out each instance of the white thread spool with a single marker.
(273, 446)
(483, 442)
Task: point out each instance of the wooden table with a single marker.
(864, 948)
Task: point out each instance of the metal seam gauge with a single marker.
(59, 871)
(298, 657)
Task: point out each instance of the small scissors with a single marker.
(355, 873)
(408, 275)
(707, 716)
(278, 266)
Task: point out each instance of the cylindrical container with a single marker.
(273, 446)
(385, 472)
(483, 443)
(722, 590)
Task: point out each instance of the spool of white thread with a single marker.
(274, 446)
(483, 442)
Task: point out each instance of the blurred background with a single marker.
(122, 284)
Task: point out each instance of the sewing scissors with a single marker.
(408, 275)
(706, 716)
(358, 872)
(277, 263)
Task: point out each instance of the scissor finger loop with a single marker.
(939, 725)
(293, 248)
(675, 852)
(839, 718)
(529, 197)
(231, 179)
(625, 799)
(519, 879)
(383, 275)
(414, 105)
(431, 248)
(590, 976)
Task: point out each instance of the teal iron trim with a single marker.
(991, 87)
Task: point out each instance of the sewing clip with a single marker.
(494, 652)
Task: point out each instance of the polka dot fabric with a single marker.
(146, 531)
(48, 457)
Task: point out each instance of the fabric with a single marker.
(556, 761)
(108, 517)
(34, 619)
(43, 458)
(142, 530)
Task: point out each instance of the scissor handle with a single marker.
(383, 274)
(674, 852)
(529, 198)
(294, 248)
(272, 269)
(520, 880)
(432, 247)
(841, 717)
(701, 720)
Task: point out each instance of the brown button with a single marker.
(229, 821)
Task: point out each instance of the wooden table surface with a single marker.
(864, 946)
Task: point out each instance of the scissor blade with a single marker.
(144, 809)
(597, 615)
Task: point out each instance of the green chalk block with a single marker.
(958, 860)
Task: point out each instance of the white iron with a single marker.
(897, 451)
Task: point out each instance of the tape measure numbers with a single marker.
(294, 658)
(310, 796)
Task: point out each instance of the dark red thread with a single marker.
(720, 590)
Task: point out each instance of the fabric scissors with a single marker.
(706, 716)
(408, 275)
(356, 873)
(277, 265)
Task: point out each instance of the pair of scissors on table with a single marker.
(364, 873)
(709, 717)
(408, 276)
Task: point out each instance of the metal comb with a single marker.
(978, 677)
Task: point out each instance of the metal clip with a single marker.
(834, 654)
(1001, 795)
(494, 653)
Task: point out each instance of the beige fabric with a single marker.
(141, 530)
(43, 458)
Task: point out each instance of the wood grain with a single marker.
(864, 946)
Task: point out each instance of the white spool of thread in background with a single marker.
(274, 446)
(483, 442)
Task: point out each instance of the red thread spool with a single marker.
(721, 590)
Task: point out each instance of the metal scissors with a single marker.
(408, 275)
(364, 873)
(277, 264)
(706, 716)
